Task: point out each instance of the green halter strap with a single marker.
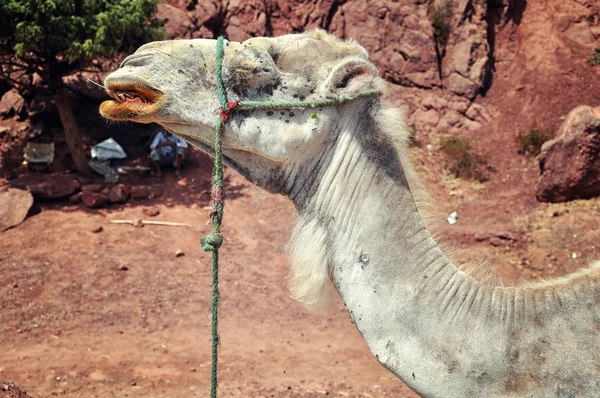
(213, 241)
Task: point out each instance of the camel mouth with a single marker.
(131, 101)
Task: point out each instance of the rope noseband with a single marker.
(213, 241)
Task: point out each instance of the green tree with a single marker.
(54, 38)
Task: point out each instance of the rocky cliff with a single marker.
(447, 48)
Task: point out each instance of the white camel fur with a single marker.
(441, 331)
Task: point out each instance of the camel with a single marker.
(441, 331)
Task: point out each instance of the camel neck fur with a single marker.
(444, 333)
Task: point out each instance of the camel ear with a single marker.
(350, 76)
(251, 66)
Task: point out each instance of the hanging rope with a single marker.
(213, 241)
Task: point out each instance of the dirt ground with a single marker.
(117, 314)
(75, 323)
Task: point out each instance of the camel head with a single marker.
(173, 83)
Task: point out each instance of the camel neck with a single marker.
(439, 330)
(421, 316)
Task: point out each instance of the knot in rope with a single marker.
(212, 241)
(224, 113)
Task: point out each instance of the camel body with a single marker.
(441, 331)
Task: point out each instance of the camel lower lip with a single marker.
(129, 110)
(131, 101)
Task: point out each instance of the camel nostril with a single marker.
(136, 60)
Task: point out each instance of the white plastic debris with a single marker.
(108, 149)
(452, 218)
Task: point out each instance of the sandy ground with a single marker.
(75, 323)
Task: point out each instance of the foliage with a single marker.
(58, 37)
(464, 164)
(439, 17)
(595, 57)
(531, 141)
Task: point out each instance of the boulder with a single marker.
(14, 206)
(462, 86)
(570, 163)
(118, 194)
(75, 198)
(94, 200)
(12, 103)
(421, 117)
(92, 187)
(47, 187)
(140, 192)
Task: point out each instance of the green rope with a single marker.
(212, 242)
(257, 105)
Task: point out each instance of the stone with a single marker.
(140, 192)
(14, 206)
(118, 194)
(450, 117)
(471, 125)
(570, 163)
(460, 105)
(75, 198)
(94, 200)
(97, 229)
(425, 117)
(434, 101)
(479, 69)
(179, 253)
(452, 218)
(462, 86)
(92, 187)
(10, 390)
(477, 112)
(151, 211)
(580, 33)
(12, 103)
(49, 186)
(155, 192)
(178, 22)
(461, 57)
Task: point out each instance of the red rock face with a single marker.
(399, 36)
(443, 49)
(570, 164)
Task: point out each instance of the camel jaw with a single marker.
(133, 100)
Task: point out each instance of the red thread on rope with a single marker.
(225, 112)
(217, 199)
